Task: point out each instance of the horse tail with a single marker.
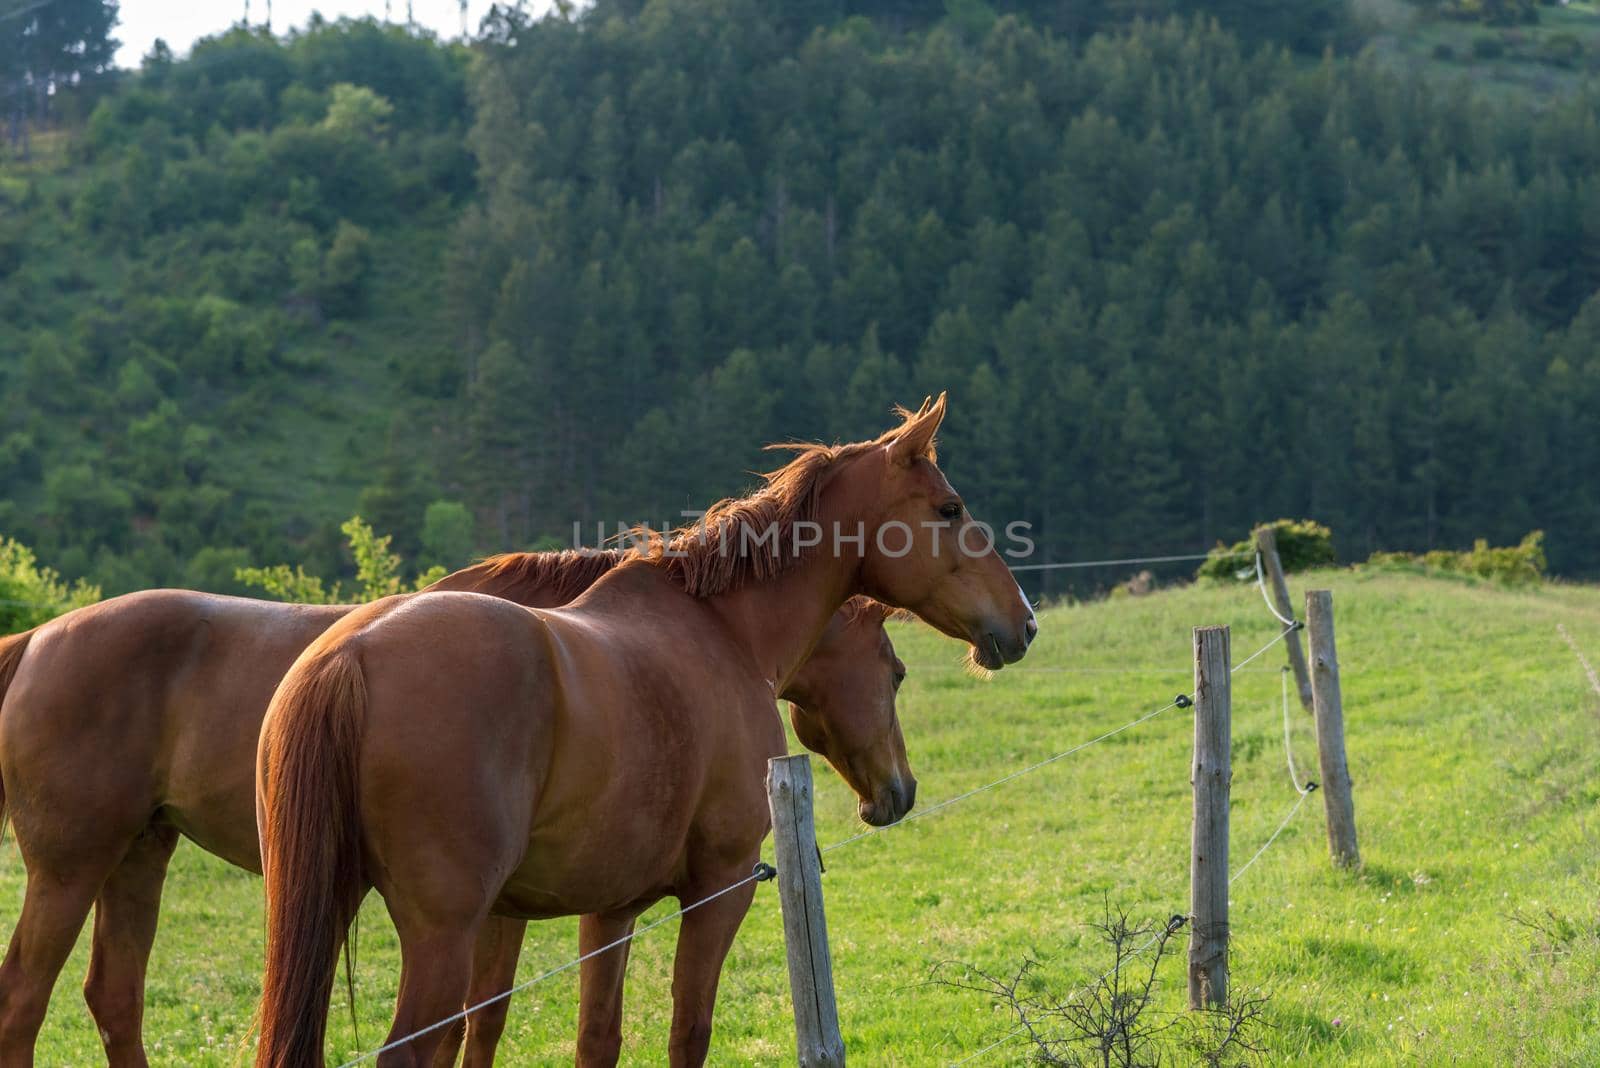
(11, 649)
(310, 848)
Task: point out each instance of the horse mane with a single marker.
(564, 574)
(861, 606)
(751, 539)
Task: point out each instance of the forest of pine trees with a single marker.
(1176, 281)
(1174, 285)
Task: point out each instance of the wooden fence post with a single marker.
(1212, 776)
(1267, 546)
(1336, 797)
(805, 928)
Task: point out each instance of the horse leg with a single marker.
(435, 972)
(125, 918)
(703, 943)
(600, 988)
(494, 971)
(54, 907)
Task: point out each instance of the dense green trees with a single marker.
(45, 49)
(1176, 279)
(211, 318)
(1175, 283)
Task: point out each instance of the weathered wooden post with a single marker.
(1336, 797)
(1212, 776)
(1267, 546)
(805, 928)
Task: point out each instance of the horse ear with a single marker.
(915, 439)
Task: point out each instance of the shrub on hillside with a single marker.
(1302, 544)
(377, 572)
(1562, 50)
(30, 594)
(1522, 564)
(1487, 48)
(1118, 1019)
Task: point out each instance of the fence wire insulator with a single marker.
(764, 872)
(1183, 700)
(1176, 923)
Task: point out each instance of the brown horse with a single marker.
(468, 757)
(130, 722)
(842, 705)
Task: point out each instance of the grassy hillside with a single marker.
(1530, 63)
(1475, 748)
(220, 322)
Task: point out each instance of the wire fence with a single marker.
(1183, 700)
(1014, 567)
(1183, 558)
(1261, 582)
(762, 873)
(1302, 790)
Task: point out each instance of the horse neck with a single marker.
(781, 619)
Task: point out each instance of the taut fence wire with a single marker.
(762, 873)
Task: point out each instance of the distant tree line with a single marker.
(1177, 280)
(1175, 284)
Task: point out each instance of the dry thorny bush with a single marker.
(1112, 1022)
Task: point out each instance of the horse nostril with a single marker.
(1031, 629)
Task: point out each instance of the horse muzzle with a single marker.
(996, 646)
(891, 803)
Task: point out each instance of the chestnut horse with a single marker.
(129, 722)
(468, 757)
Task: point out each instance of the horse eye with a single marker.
(950, 510)
(899, 676)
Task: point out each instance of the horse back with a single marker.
(156, 697)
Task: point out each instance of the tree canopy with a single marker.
(1178, 279)
(1174, 282)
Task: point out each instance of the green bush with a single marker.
(1562, 50)
(377, 572)
(30, 594)
(345, 268)
(1487, 48)
(1302, 544)
(1516, 565)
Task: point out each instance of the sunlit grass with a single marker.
(1474, 743)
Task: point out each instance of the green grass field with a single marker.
(1474, 743)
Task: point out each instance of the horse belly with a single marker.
(605, 870)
